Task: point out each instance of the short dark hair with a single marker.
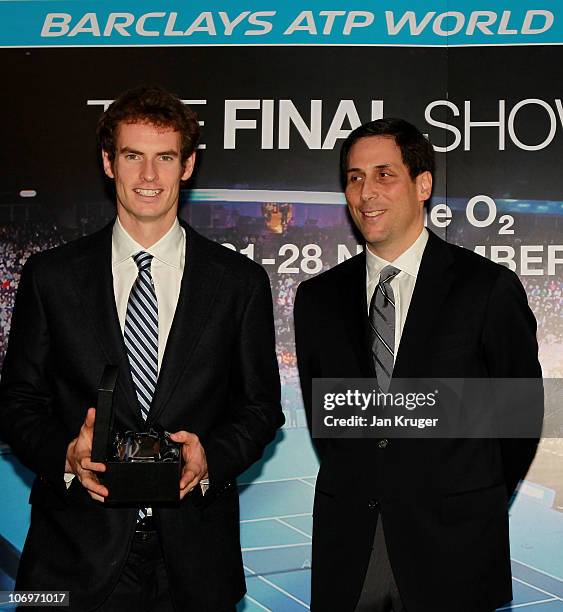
(153, 105)
(416, 150)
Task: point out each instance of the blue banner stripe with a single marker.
(405, 23)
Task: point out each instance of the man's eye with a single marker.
(166, 158)
(131, 156)
(354, 178)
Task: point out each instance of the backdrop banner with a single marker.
(276, 90)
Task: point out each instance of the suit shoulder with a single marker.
(57, 257)
(238, 265)
(331, 279)
(335, 275)
(473, 264)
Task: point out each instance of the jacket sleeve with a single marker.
(307, 359)
(235, 445)
(28, 422)
(511, 352)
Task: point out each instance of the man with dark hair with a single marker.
(189, 325)
(417, 152)
(414, 525)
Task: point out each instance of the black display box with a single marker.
(134, 476)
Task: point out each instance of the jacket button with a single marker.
(383, 443)
(373, 504)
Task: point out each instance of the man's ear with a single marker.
(107, 165)
(188, 167)
(424, 186)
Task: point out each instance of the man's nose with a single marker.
(370, 189)
(148, 171)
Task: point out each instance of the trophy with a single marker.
(142, 468)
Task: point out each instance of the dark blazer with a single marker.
(219, 379)
(443, 502)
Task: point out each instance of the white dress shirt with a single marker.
(402, 284)
(167, 268)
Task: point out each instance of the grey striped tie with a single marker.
(382, 327)
(141, 333)
(141, 339)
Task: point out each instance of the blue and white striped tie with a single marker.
(141, 339)
(141, 333)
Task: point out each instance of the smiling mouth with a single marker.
(372, 214)
(149, 193)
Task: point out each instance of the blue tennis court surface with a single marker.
(276, 499)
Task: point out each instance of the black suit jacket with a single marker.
(443, 502)
(219, 379)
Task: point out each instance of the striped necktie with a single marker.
(141, 339)
(382, 327)
(141, 333)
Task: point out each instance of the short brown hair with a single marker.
(153, 105)
(416, 151)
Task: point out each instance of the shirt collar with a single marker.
(169, 249)
(408, 262)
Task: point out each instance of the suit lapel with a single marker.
(199, 288)
(354, 312)
(94, 280)
(433, 284)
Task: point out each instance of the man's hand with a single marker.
(78, 459)
(195, 462)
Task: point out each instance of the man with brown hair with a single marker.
(412, 525)
(189, 325)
